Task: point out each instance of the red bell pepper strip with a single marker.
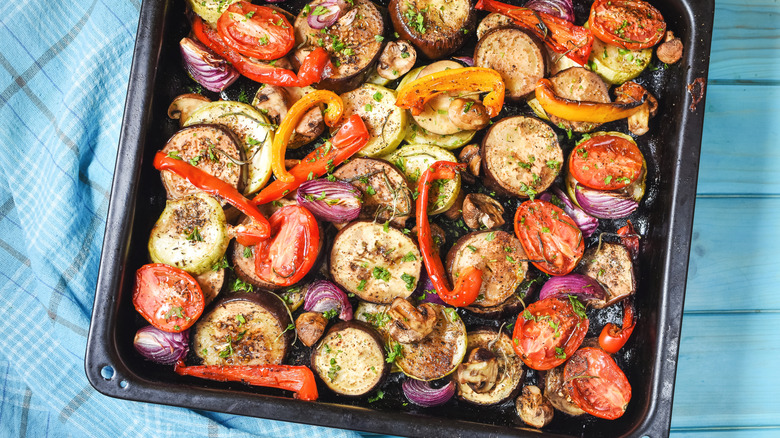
(560, 35)
(630, 239)
(258, 231)
(469, 280)
(298, 379)
(613, 338)
(350, 138)
(311, 70)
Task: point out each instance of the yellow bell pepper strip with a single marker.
(414, 95)
(298, 379)
(582, 111)
(469, 281)
(331, 114)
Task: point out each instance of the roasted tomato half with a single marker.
(550, 238)
(256, 31)
(597, 384)
(289, 254)
(606, 162)
(548, 331)
(168, 297)
(632, 24)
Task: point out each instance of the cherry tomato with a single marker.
(597, 384)
(606, 162)
(168, 297)
(256, 31)
(291, 250)
(549, 236)
(548, 331)
(631, 24)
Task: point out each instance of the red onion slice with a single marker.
(558, 8)
(323, 14)
(332, 201)
(161, 347)
(423, 394)
(322, 296)
(425, 292)
(583, 287)
(206, 67)
(469, 61)
(604, 204)
(585, 222)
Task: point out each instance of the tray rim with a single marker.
(101, 345)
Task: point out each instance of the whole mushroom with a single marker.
(482, 211)
(408, 323)
(468, 114)
(396, 60)
(480, 371)
(671, 50)
(535, 410)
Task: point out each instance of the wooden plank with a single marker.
(739, 142)
(746, 41)
(733, 263)
(746, 432)
(727, 373)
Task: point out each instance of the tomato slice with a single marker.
(548, 332)
(631, 24)
(606, 162)
(256, 31)
(168, 297)
(291, 251)
(550, 238)
(597, 384)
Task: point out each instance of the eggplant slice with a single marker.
(519, 57)
(439, 354)
(521, 156)
(499, 255)
(386, 195)
(351, 42)
(579, 83)
(350, 359)
(555, 391)
(376, 262)
(612, 267)
(253, 328)
(510, 368)
(436, 27)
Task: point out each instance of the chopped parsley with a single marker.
(409, 280)
(381, 273)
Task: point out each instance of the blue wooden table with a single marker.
(727, 382)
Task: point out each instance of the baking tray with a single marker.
(664, 219)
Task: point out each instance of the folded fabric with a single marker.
(64, 69)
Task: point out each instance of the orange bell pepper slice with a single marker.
(582, 111)
(331, 114)
(414, 95)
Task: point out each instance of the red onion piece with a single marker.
(585, 222)
(322, 296)
(161, 347)
(323, 14)
(604, 204)
(206, 67)
(559, 8)
(423, 394)
(333, 201)
(425, 292)
(585, 288)
(469, 61)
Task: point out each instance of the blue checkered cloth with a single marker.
(64, 68)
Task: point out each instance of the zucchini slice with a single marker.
(439, 354)
(434, 118)
(210, 10)
(350, 359)
(615, 64)
(414, 159)
(253, 328)
(190, 234)
(376, 262)
(253, 131)
(418, 135)
(510, 368)
(386, 122)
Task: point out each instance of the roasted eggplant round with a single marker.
(436, 27)
(518, 56)
(611, 266)
(252, 328)
(350, 359)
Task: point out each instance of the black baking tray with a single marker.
(664, 219)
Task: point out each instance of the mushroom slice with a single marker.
(184, 104)
(310, 326)
(482, 211)
(468, 114)
(533, 408)
(396, 60)
(630, 91)
(409, 324)
(481, 370)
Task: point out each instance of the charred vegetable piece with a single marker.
(409, 323)
(350, 359)
(190, 234)
(491, 353)
(533, 408)
(310, 326)
(557, 394)
(436, 27)
(416, 134)
(397, 59)
(376, 262)
(517, 55)
(246, 328)
(210, 10)
(482, 211)
(611, 266)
